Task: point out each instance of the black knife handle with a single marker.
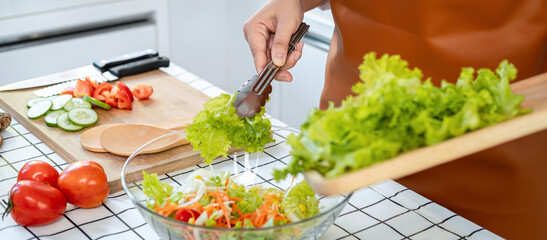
(106, 64)
(140, 66)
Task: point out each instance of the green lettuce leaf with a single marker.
(300, 202)
(217, 128)
(394, 111)
(251, 198)
(155, 189)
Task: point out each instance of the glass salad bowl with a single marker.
(236, 168)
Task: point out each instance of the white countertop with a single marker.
(385, 210)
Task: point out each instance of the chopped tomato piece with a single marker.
(102, 92)
(142, 91)
(112, 102)
(124, 102)
(82, 88)
(93, 84)
(186, 214)
(68, 91)
(125, 89)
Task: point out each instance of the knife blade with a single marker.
(112, 74)
(96, 69)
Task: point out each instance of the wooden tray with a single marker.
(535, 92)
(172, 99)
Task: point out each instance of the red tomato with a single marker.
(186, 214)
(82, 88)
(84, 184)
(102, 92)
(92, 84)
(125, 89)
(142, 91)
(34, 203)
(124, 101)
(39, 171)
(68, 91)
(112, 102)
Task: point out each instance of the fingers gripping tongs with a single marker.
(252, 95)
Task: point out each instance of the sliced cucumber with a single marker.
(31, 102)
(96, 102)
(63, 123)
(83, 117)
(39, 109)
(76, 103)
(60, 101)
(51, 117)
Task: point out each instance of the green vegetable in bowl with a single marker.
(217, 128)
(214, 199)
(395, 111)
(299, 202)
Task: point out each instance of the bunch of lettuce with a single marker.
(217, 128)
(395, 111)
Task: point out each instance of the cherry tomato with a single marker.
(34, 203)
(186, 214)
(125, 88)
(142, 91)
(84, 184)
(39, 171)
(82, 88)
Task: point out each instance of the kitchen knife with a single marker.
(252, 95)
(105, 64)
(112, 74)
(90, 71)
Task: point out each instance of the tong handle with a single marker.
(268, 73)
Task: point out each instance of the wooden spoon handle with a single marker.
(175, 124)
(155, 149)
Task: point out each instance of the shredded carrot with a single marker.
(292, 181)
(227, 180)
(269, 210)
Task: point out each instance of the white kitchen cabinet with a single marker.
(45, 37)
(43, 59)
(292, 101)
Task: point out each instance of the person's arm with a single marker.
(268, 33)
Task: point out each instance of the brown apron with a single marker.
(503, 189)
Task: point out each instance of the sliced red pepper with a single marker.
(82, 88)
(102, 92)
(124, 88)
(92, 84)
(142, 91)
(68, 91)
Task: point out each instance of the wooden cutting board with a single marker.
(172, 99)
(535, 97)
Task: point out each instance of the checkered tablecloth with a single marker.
(385, 210)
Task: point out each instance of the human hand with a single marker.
(268, 33)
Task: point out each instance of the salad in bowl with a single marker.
(214, 199)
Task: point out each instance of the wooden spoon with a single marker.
(125, 139)
(90, 138)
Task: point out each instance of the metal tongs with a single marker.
(252, 95)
